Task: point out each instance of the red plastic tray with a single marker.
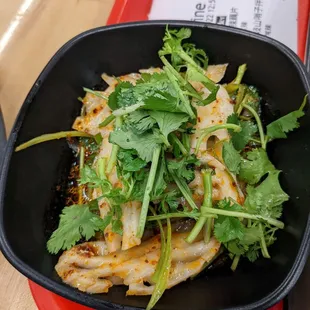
(46, 300)
(137, 10)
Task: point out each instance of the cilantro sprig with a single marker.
(280, 127)
(76, 221)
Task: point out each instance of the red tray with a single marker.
(137, 10)
(46, 300)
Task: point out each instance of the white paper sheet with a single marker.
(274, 18)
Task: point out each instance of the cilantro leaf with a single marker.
(225, 204)
(144, 144)
(93, 180)
(252, 254)
(140, 121)
(250, 97)
(93, 205)
(76, 221)
(98, 138)
(251, 235)
(130, 160)
(185, 168)
(195, 75)
(152, 77)
(90, 177)
(228, 228)
(139, 186)
(117, 226)
(156, 93)
(235, 247)
(266, 198)
(248, 245)
(283, 125)
(231, 157)
(173, 42)
(115, 196)
(240, 139)
(168, 122)
(172, 199)
(255, 166)
(199, 55)
(122, 96)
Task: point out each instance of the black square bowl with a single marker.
(30, 204)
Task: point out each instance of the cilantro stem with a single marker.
(240, 74)
(197, 229)
(148, 190)
(192, 95)
(176, 140)
(107, 121)
(209, 84)
(239, 107)
(164, 270)
(239, 98)
(127, 110)
(190, 60)
(82, 158)
(207, 203)
(186, 141)
(96, 93)
(304, 102)
(50, 137)
(101, 168)
(155, 276)
(172, 76)
(193, 215)
(259, 124)
(205, 132)
(269, 220)
(184, 189)
(235, 263)
(263, 242)
(234, 84)
(164, 139)
(115, 148)
(207, 183)
(81, 166)
(256, 140)
(189, 88)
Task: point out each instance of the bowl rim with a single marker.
(73, 294)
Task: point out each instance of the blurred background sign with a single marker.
(274, 18)
(283, 20)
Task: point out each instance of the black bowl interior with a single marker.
(30, 205)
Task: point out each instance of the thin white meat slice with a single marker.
(130, 219)
(89, 268)
(151, 70)
(224, 184)
(215, 113)
(216, 72)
